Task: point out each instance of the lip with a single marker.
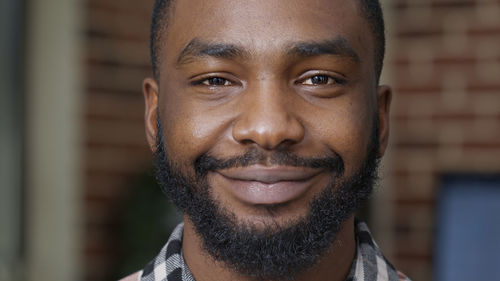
(264, 185)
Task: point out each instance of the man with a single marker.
(267, 124)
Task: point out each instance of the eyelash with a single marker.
(206, 82)
(330, 80)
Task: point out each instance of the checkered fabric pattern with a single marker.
(369, 264)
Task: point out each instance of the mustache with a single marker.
(207, 163)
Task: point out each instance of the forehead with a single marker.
(265, 25)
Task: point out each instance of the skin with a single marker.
(269, 98)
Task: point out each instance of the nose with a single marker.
(267, 118)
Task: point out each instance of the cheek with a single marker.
(189, 128)
(346, 129)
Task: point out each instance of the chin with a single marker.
(271, 218)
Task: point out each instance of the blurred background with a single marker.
(77, 197)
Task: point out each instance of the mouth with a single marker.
(268, 185)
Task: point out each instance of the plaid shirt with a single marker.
(369, 264)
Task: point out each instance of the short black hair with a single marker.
(370, 10)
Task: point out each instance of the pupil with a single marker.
(217, 81)
(319, 79)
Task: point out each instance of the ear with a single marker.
(150, 91)
(384, 106)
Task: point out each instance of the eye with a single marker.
(322, 79)
(215, 81)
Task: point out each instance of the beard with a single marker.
(274, 252)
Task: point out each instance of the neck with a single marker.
(334, 265)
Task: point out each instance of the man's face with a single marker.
(286, 90)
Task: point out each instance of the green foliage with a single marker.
(148, 220)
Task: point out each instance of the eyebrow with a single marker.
(338, 46)
(198, 48)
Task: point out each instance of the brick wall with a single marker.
(445, 64)
(117, 59)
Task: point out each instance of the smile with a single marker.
(265, 185)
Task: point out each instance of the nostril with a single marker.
(247, 142)
(269, 136)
